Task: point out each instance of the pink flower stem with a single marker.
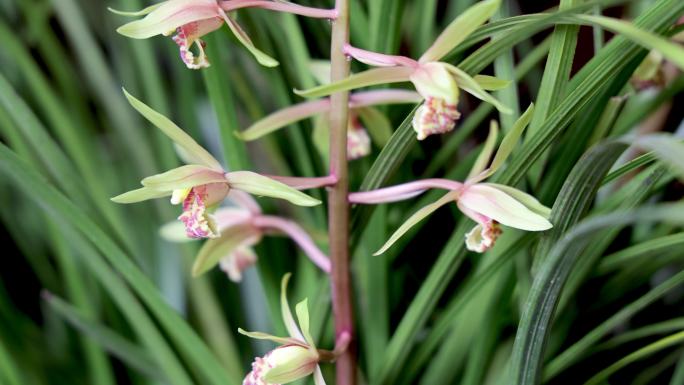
(402, 191)
(297, 234)
(379, 59)
(302, 183)
(231, 5)
(338, 206)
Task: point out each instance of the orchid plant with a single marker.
(202, 185)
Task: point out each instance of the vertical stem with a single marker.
(338, 206)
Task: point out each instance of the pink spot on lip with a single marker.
(198, 223)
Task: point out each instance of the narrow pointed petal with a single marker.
(371, 77)
(192, 149)
(141, 12)
(260, 185)
(214, 249)
(470, 85)
(382, 97)
(283, 118)
(184, 177)
(242, 37)
(288, 319)
(302, 310)
(507, 145)
(459, 29)
(483, 159)
(526, 199)
(501, 207)
(417, 217)
(491, 83)
(265, 336)
(139, 195)
(168, 16)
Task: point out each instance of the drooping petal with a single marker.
(139, 195)
(483, 236)
(460, 29)
(188, 35)
(501, 207)
(302, 310)
(168, 16)
(192, 149)
(283, 118)
(242, 37)
(470, 85)
(214, 249)
(417, 217)
(367, 78)
(260, 185)
(184, 177)
(269, 337)
(141, 12)
(238, 261)
(433, 80)
(434, 116)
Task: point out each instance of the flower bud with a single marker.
(282, 365)
(358, 141)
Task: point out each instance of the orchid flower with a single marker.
(297, 355)
(362, 115)
(202, 183)
(488, 204)
(242, 225)
(439, 83)
(192, 19)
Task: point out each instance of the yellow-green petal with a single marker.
(139, 195)
(260, 185)
(184, 177)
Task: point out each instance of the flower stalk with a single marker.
(338, 205)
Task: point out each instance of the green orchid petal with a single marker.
(260, 185)
(283, 118)
(141, 12)
(184, 177)
(288, 319)
(507, 144)
(168, 16)
(378, 125)
(242, 37)
(371, 77)
(269, 337)
(459, 29)
(216, 248)
(417, 217)
(178, 136)
(433, 80)
(487, 150)
(302, 310)
(526, 199)
(501, 207)
(139, 195)
(470, 85)
(491, 83)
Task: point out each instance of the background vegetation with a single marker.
(90, 293)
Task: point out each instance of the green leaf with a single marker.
(375, 76)
(491, 83)
(486, 154)
(459, 29)
(178, 136)
(260, 185)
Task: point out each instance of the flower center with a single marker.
(435, 116)
(198, 222)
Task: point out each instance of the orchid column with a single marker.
(338, 206)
